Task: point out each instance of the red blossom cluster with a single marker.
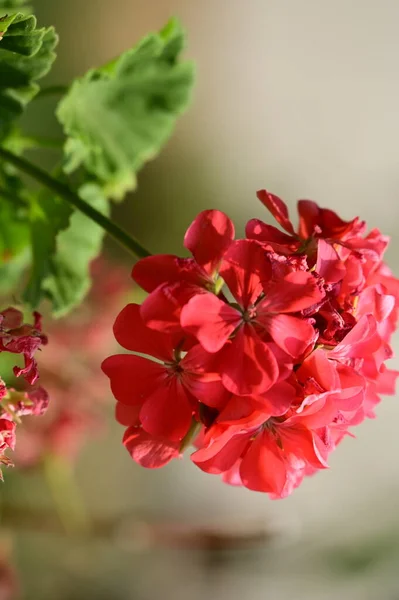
(269, 349)
(16, 337)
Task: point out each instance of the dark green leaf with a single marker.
(26, 55)
(118, 117)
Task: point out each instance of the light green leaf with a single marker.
(118, 117)
(26, 55)
(14, 230)
(63, 245)
(49, 215)
(69, 278)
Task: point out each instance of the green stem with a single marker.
(52, 90)
(16, 200)
(65, 192)
(68, 501)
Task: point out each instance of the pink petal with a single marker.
(148, 451)
(245, 269)
(208, 238)
(386, 381)
(296, 291)
(361, 341)
(329, 265)
(210, 320)
(278, 208)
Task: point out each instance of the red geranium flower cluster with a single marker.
(274, 346)
(16, 337)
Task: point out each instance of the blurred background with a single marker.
(297, 97)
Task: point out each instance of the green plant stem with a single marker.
(64, 191)
(65, 492)
(16, 200)
(52, 90)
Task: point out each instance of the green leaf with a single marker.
(12, 5)
(63, 245)
(118, 117)
(49, 216)
(69, 278)
(26, 55)
(14, 230)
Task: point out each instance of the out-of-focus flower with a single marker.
(19, 338)
(290, 333)
(9, 586)
(70, 369)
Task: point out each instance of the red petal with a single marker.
(221, 454)
(292, 334)
(247, 364)
(317, 366)
(243, 410)
(278, 208)
(277, 400)
(133, 378)
(296, 291)
(330, 224)
(147, 451)
(167, 412)
(162, 308)
(210, 320)
(208, 238)
(131, 333)
(245, 269)
(152, 271)
(201, 379)
(126, 414)
(262, 468)
(300, 444)
(329, 265)
(308, 218)
(267, 234)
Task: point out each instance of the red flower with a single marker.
(293, 333)
(267, 457)
(165, 387)
(172, 281)
(247, 364)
